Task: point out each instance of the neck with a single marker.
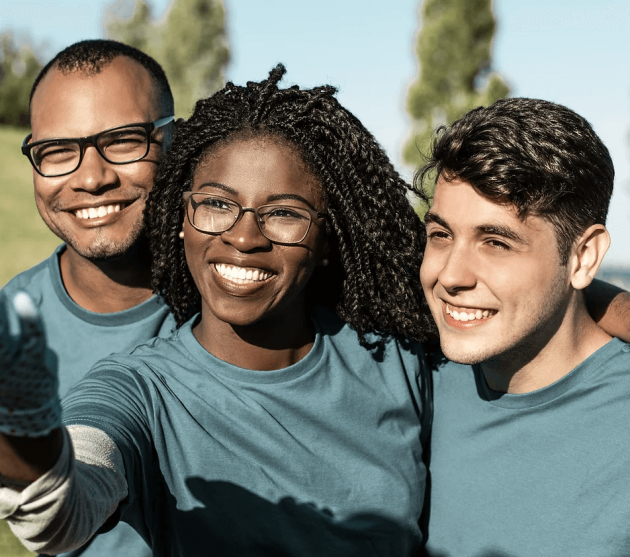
(110, 285)
(266, 345)
(557, 348)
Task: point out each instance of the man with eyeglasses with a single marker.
(101, 118)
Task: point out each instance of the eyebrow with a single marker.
(219, 186)
(270, 199)
(290, 196)
(437, 219)
(491, 228)
(503, 231)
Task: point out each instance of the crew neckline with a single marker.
(550, 392)
(231, 372)
(132, 315)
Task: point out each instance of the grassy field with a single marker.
(24, 241)
(9, 546)
(24, 238)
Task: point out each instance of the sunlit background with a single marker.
(573, 52)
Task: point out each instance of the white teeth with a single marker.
(97, 212)
(241, 275)
(465, 316)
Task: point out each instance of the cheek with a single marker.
(140, 175)
(525, 284)
(432, 264)
(46, 193)
(194, 248)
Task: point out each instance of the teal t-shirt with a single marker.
(76, 339)
(543, 474)
(323, 458)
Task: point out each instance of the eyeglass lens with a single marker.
(117, 146)
(288, 225)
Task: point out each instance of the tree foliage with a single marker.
(190, 43)
(454, 51)
(19, 67)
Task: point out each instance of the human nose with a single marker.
(245, 235)
(458, 270)
(94, 172)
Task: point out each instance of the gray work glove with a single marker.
(29, 401)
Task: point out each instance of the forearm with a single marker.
(67, 505)
(609, 306)
(24, 460)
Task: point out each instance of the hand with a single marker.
(29, 402)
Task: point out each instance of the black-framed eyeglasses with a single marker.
(119, 145)
(281, 224)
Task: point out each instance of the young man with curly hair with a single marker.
(529, 451)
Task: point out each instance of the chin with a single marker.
(103, 248)
(458, 352)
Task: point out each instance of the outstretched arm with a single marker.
(53, 501)
(609, 306)
(30, 413)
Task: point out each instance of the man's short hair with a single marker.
(537, 156)
(91, 57)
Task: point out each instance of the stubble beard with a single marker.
(103, 248)
(533, 337)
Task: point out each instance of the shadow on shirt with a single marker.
(232, 521)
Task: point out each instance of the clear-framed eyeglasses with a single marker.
(281, 224)
(120, 145)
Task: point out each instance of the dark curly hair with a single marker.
(538, 156)
(377, 238)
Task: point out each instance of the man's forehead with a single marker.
(457, 203)
(122, 92)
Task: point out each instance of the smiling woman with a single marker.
(288, 413)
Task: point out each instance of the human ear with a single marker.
(587, 255)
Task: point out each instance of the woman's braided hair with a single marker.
(377, 240)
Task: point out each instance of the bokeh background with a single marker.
(573, 52)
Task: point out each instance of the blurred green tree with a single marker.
(189, 42)
(19, 67)
(454, 51)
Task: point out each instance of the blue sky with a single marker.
(573, 52)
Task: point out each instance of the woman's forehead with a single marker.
(265, 164)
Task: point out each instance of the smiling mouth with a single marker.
(242, 275)
(98, 212)
(469, 314)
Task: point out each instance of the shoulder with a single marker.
(612, 359)
(33, 279)
(126, 380)
(395, 352)
(147, 363)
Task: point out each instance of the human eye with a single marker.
(124, 139)
(437, 235)
(216, 204)
(124, 136)
(498, 244)
(285, 213)
(54, 151)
